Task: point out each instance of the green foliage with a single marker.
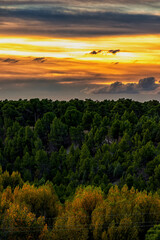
(80, 142)
(58, 133)
(72, 116)
(153, 233)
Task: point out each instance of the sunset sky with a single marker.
(66, 49)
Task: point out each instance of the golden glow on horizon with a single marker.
(45, 42)
(71, 57)
(137, 48)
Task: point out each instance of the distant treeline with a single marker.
(79, 143)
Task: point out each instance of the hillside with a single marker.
(55, 147)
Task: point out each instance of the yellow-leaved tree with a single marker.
(42, 201)
(75, 221)
(19, 223)
(125, 214)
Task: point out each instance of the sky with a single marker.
(67, 49)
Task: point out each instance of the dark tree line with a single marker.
(82, 142)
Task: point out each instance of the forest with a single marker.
(79, 169)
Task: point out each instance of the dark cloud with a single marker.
(41, 88)
(52, 89)
(114, 51)
(76, 22)
(94, 52)
(27, 84)
(40, 59)
(116, 88)
(77, 2)
(146, 84)
(10, 60)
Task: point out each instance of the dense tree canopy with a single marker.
(79, 169)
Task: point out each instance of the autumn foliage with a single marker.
(123, 214)
(30, 212)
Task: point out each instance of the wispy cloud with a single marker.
(74, 66)
(94, 52)
(61, 21)
(10, 60)
(114, 51)
(40, 59)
